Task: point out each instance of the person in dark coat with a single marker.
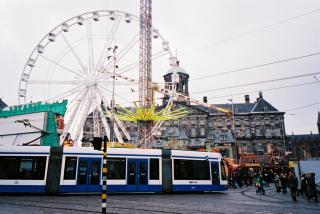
(283, 179)
(304, 189)
(293, 185)
(312, 188)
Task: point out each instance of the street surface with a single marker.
(243, 200)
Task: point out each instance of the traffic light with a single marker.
(97, 142)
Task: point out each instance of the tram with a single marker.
(50, 170)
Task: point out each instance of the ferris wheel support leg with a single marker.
(66, 130)
(84, 117)
(103, 119)
(116, 129)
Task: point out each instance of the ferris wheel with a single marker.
(78, 60)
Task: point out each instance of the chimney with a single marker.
(205, 99)
(246, 98)
(260, 94)
(178, 63)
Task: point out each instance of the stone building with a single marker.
(304, 146)
(258, 126)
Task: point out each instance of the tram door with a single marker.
(215, 175)
(137, 175)
(89, 170)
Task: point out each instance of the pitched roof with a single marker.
(262, 106)
(2, 104)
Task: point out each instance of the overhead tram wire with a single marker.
(267, 89)
(251, 31)
(257, 66)
(257, 83)
(301, 107)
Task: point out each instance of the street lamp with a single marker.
(113, 57)
(233, 131)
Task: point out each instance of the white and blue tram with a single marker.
(34, 169)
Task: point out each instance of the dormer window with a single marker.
(265, 109)
(236, 111)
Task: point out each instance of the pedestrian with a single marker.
(312, 188)
(293, 185)
(277, 182)
(283, 179)
(259, 184)
(303, 189)
(235, 180)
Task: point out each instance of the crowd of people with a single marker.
(282, 180)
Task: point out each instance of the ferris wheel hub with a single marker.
(90, 80)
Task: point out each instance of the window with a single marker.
(22, 168)
(116, 168)
(223, 137)
(223, 171)
(191, 169)
(70, 168)
(193, 132)
(265, 109)
(202, 132)
(154, 169)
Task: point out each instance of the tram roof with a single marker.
(195, 154)
(25, 149)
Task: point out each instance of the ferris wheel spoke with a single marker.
(109, 40)
(127, 47)
(35, 82)
(123, 52)
(110, 91)
(103, 119)
(71, 119)
(117, 122)
(129, 67)
(59, 65)
(90, 46)
(83, 67)
(66, 93)
(135, 65)
(83, 116)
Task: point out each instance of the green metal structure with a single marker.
(51, 109)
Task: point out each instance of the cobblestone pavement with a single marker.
(243, 200)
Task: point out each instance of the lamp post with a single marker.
(113, 50)
(233, 131)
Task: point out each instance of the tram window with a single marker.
(95, 172)
(191, 170)
(24, 168)
(70, 168)
(83, 172)
(223, 171)
(116, 168)
(154, 169)
(9, 167)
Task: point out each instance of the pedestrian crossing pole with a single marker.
(104, 177)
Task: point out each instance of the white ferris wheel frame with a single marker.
(85, 91)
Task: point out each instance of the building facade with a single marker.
(304, 146)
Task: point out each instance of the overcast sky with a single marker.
(210, 36)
